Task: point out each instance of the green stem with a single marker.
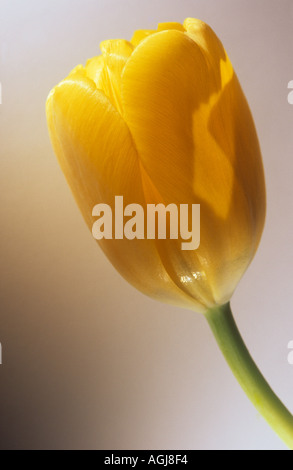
(248, 375)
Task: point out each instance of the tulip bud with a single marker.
(162, 119)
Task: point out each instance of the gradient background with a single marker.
(88, 362)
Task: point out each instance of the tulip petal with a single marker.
(231, 125)
(140, 35)
(166, 88)
(155, 79)
(106, 70)
(96, 152)
(94, 68)
(171, 25)
(179, 95)
(214, 52)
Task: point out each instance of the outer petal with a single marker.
(180, 98)
(231, 125)
(165, 84)
(97, 155)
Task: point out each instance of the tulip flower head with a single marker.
(162, 119)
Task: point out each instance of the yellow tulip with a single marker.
(162, 119)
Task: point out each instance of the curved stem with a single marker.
(248, 375)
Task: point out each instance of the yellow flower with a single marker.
(162, 119)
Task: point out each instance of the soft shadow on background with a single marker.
(88, 362)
